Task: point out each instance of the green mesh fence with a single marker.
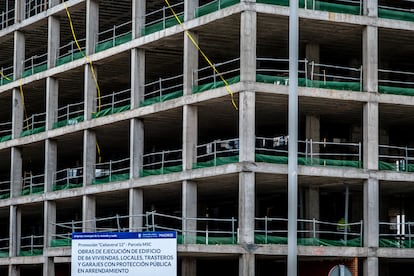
(337, 85)
(162, 25)
(61, 242)
(262, 239)
(209, 240)
(162, 98)
(5, 195)
(6, 81)
(68, 58)
(217, 162)
(319, 5)
(398, 15)
(165, 170)
(308, 161)
(396, 90)
(212, 85)
(4, 254)
(34, 70)
(392, 166)
(112, 178)
(72, 121)
(271, 79)
(5, 138)
(33, 252)
(274, 2)
(113, 42)
(66, 186)
(214, 6)
(111, 110)
(32, 131)
(394, 243)
(32, 190)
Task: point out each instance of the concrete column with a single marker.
(15, 230)
(49, 224)
(90, 92)
(248, 46)
(371, 213)
(52, 92)
(89, 156)
(49, 266)
(14, 270)
(188, 266)
(136, 210)
(19, 10)
(53, 3)
(246, 207)
(17, 113)
(137, 76)
(371, 136)
(189, 9)
(189, 196)
(370, 7)
(190, 62)
(53, 39)
(371, 266)
(247, 135)
(92, 25)
(16, 172)
(138, 17)
(246, 265)
(313, 55)
(190, 132)
(312, 203)
(313, 130)
(136, 146)
(19, 54)
(50, 164)
(88, 213)
(370, 58)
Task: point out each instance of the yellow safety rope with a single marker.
(98, 149)
(84, 55)
(203, 54)
(24, 105)
(4, 76)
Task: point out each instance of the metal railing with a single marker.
(5, 129)
(207, 74)
(33, 7)
(163, 14)
(68, 176)
(111, 168)
(7, 18)
(219, 5)
(162, 159)
(163, 86)
(34, 61)
(30, 243)
(7, 74)
(402, 157)
(34, 121)
(70, 49)
(64, 230)
(113, 33)
(114, 99)
(216, 149)
(396, 78)
(399, 231)
(325, 72)
(314, 4)
(405, 6)
(69, 112)
(4, 245)
(311, 228)
(280, 67)
(276, 146)
(5, 187)
(31, 182)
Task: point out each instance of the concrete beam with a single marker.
(189, 198)
(136, 146)
(190, 136)
(136, 209)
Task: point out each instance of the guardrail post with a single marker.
(266, 229)
(163, 17)
(215, 153)
(31, 244)
(311, 150)
(113, 36)
(160, 86)
(406, 159)
(162, 161)
(360, 233)
(314, 229)
(153, 220)
(117, 223)
(232, 230)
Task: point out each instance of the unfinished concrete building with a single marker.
(150, 139)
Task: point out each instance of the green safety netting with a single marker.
(214, 6)
(262, 239)
(392, 166)
(307, 161)
(337, 85)
(33, 252)
(113, 42)
(111, 110)
(395, 243)
(34, 70)
(61, 242)
(162, 98)
(32, 190)
(4, 254)
(217, 162)
(5, 195)
(274, 2)
(32, 131)
(396, 90)
(5, 81)
(398, 15)
(66, 186)
(69, 58)
(72, 121)
(165, 170)
(162, 25)
(112, 178)
(319, 5)
(5, 138)
(212, 85)
(209, 240)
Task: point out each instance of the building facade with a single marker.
(144, 115)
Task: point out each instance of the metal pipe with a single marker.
(346, 213)
(293, 139)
